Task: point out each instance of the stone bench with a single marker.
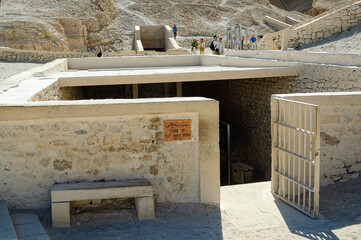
(63, 194)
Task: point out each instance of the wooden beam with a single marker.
(179, 89)
(166, 89)
(135, 90)
(128, 91)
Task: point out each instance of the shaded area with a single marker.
(173, 221)
(339, 208)
(341, 201)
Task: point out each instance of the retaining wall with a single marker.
(315, 29)
(9, 54)
(42, 144)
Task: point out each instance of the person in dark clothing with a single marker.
(175, 31)
(98, 52)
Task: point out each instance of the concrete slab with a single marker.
(7, 230)
(146, 75)
(24, 218)
(28, 226)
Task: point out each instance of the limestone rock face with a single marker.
(56, 27)
(78, 25)
(32, 36)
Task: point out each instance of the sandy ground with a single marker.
(346, 42)
(247, 212)
(9, 69)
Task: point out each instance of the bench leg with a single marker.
(145, 207)
(60, 214)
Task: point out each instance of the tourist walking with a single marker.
(175, 31)
(202, 46)
(98, 51)
(194, 46)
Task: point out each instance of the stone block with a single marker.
(354, 175)
(60, 213)
(319, 35)
(355, 168)
(333, 172)
(326, 181)
(145, 207)
(344, 180)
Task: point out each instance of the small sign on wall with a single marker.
(177, 130)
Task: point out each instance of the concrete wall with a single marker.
(315, 29)
(52, 142)
(153, 37)
(139, 49)
(296, 56)
(340, 134)
(154, 61)
(277, 23)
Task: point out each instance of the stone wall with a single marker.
(9, 54)
(245, 104)
(340, 143)
(53, 93)
(315, 29)
(48, 144)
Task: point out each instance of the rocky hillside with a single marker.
(310, 7)
(78, 25)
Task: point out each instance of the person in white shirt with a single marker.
(213, 45)
(220, 46)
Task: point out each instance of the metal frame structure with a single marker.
(296, 154)
(229, 38)
(225, 143)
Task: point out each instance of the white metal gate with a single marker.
(296, 154)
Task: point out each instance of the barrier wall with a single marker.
(42, 144)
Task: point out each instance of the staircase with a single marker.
(20, 226)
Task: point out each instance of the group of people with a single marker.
(201, 45)
(217, 46)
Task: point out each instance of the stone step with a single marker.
(28, 227)
(7, 230)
